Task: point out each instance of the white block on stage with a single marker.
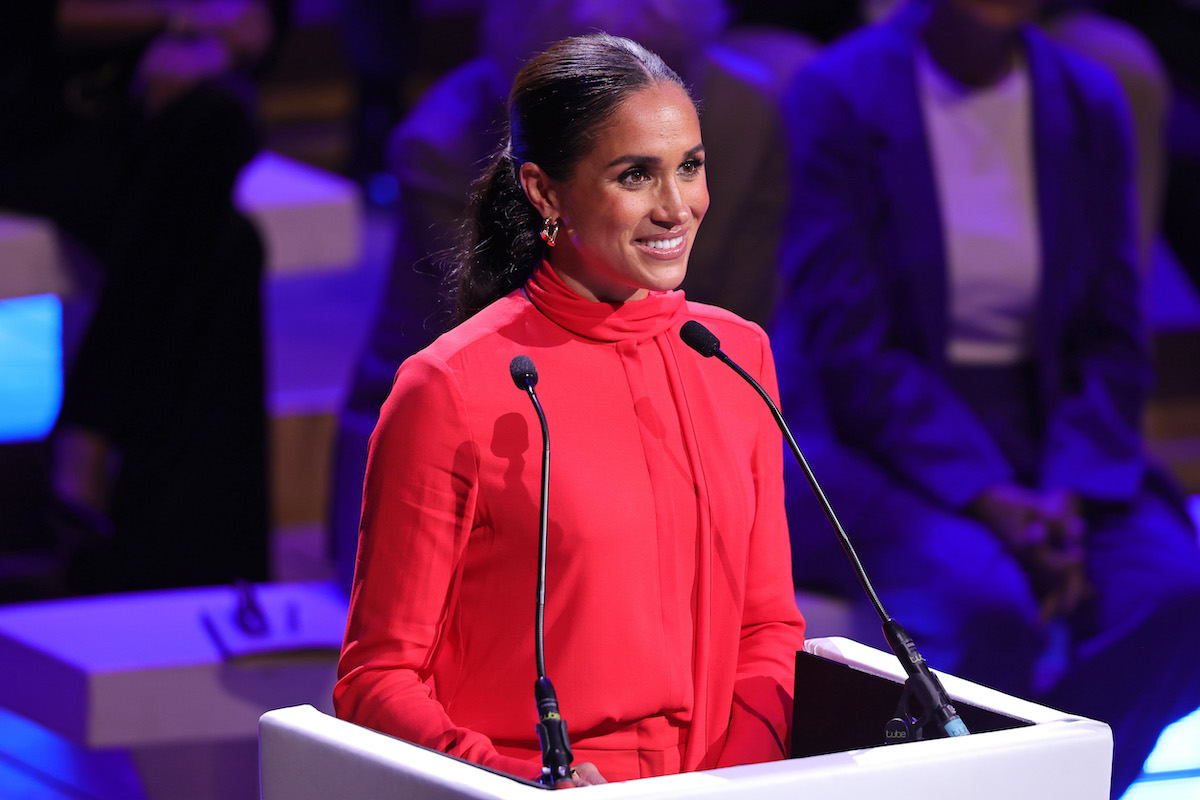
(145, 668)
(309, 219)
(31, 258)
(167, 677)
(1039, 753)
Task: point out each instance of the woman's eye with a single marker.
(691, 167)
(634, 176)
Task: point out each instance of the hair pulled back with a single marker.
(560, 105)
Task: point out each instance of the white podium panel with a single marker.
(1046, 754)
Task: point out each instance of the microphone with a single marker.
(551, 727)
(921, 680)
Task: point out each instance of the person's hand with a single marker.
(1058, 558)
(1015, 514)
(1044, 530)
(584, 774)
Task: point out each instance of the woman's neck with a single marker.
(968, 49)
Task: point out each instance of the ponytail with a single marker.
(502, 245)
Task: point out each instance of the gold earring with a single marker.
(550, 231)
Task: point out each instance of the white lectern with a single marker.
(1017, 749)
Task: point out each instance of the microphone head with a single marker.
(699, 338)
(524, 373)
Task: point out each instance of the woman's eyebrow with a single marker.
(636, 159)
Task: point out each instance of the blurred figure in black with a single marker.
(127, 123)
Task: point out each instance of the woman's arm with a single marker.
(419, 503)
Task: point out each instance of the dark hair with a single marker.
(560, 105)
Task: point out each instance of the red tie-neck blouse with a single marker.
(671, 626)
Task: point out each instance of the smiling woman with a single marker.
(670, 621)
(605, 147)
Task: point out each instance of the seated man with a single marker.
(960, 340)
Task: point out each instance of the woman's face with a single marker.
(630, 211)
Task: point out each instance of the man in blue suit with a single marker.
(961, 346)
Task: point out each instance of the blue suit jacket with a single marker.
(860, 330)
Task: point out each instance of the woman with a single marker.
(961, 277)
(436, 152)
(671, 627)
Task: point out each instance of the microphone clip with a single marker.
(552, 735)
(905, 727)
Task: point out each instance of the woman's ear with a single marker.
(540, 189)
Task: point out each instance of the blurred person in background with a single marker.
(961, 343)
(127, 123)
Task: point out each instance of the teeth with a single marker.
(665, 244)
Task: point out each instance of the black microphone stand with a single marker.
(551, 727)
(921, 683)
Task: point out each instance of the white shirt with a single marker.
(981, 146)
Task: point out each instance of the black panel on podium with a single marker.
(854, 707)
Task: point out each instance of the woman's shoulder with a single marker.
(722, 318)
(489, 337)
(737, 334)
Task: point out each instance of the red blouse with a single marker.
(671, 625)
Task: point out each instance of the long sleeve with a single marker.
(1093, 442)
(418, 506)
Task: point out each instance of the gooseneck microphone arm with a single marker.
(921, 680)
(551, 727)
(524, 375)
